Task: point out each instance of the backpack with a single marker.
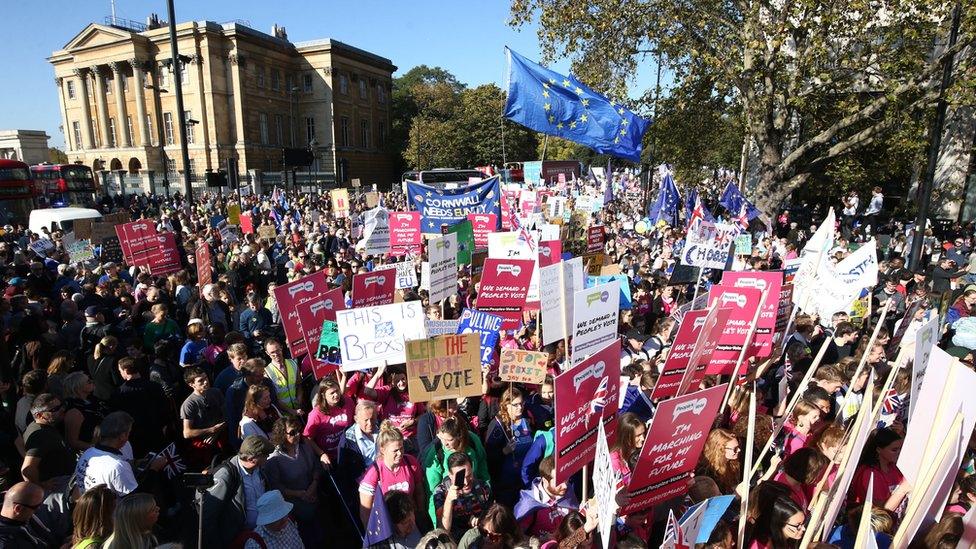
(242, 538)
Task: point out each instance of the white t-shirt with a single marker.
(99, 465)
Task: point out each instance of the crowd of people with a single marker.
(133, 401)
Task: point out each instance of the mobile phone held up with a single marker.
(459, 479)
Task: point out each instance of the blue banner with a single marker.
(449, 206)
(625, 299)
(554, 104)
(487, 326)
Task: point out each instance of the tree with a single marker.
(815, 80)
(482, 122)
(406, 103)
(57, 156)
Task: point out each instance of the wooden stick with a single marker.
(874, 337)
(586, 474)
(742, 353)
(864, 528)
(746, 475)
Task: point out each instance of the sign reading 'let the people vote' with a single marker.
(446, 366)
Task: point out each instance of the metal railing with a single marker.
(125, 24)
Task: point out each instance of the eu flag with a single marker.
(665, 208)
(733, 200)
(380, 527)
(554, 104)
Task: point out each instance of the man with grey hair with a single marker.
(108, 462)
(230, 506)
(357, 451)
(49, 461)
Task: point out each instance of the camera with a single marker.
(199, 481)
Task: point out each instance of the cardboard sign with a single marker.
(680, 354)
(708, 245)
(267, 232)
(596, 312)
(203, 263)
(487, 326)
(372, 289)
(483, 225)
(83, 228)
(247, 224)
(327, 358)
(234, 213)
(505, 288)
(769, 282)
(371, 337)
(100, 231)
(445, 366)
(340, 202)
(356, 183)
(288, 297)
(116, 218)
(672, 447)
(404, 233)
(701, 356)
(518, 366)
(585, 395)
(406, 274)
(443, 267)
(743, 302)
(549, 253)
(595, 239)
(556, 283)
(312, 314)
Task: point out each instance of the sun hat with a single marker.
(272, 507)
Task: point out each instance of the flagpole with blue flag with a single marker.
(733, 201)
(665, 208)
(560, 105)
(379, 528)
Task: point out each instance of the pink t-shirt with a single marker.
(326, 428)
(620, 466)
(797, 493)
(405, 479)
(794, 440)
(397, 408)
(884, 483)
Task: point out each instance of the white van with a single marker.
(59, 219)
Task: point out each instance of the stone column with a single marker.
(101, 106)
(87, 133)
(121, 123)
(139, 85)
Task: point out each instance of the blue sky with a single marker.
(466, 38)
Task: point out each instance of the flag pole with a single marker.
(545, 145)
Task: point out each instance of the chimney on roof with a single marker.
(279, 32)
(153, 22)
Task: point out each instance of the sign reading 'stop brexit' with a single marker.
(448, 206)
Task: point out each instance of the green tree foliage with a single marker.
(57, 156)
(814, 80)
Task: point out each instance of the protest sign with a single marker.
(743, 244)
(784, 308)
(165, 258)
(744, 302)
(372, 289)
(487, 326)
(406, 274)
(708, 245)
(234, 213)
(444, 366)
(314, 312)
(376, 232)
(681, 348)
(442, 327)
(288, 297)
(556, 207)
(509, 199)
(770, 283)
(585, 395)
(115, 218)
(860, 268)
(513, 245)
(100, 231)
(549, 232)
(701, 356)
(340, 202)
(790, 267)
(482, 225)
(504, 289)
(83, 228)
(518, 366)
(327, 358)
(605, 480)
(374, 336)
(465, 240)
(137, 240)
(527, 202)
(595, 239)
(549, 254)
(449, 206)
(925, 338)
(596, 312)
(622, 280)
(204, 266)
(556, 282)
(78, 249)
(267, 232)
(228, 232)
(247, 224)
(110, 249)
(672, 447)
(443, 267)
(404, 233)
(41, 246)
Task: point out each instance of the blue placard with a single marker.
(487, 326)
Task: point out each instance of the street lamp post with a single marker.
(180, 113)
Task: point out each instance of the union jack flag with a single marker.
(524, 233)
(599, 401)
(892, 402)
(674, 536)
(174, 463)
(742, 219)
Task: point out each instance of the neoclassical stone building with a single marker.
(247, 95)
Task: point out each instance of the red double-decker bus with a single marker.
(18, 195)
(62, 185)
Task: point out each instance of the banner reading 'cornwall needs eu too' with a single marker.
(449, 206)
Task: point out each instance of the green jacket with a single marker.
(436, 470)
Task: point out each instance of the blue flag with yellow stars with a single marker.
(665, 208)
(448, 207)
(732, 200)
(562, 106)
(379, 528)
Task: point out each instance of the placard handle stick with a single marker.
(562, 311)
(742, 354)
(874, 337)
(746, 475)
(698, 274)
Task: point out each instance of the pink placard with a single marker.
(289, 296)
(509, 200)
(204, 268)
(743, 302)
(595, 239)
(550, 252)
(482, 225)
(165, 258)
(583, 395)
(372, 289)
(672, 447)
(769, 282)
(680, 354)
(247, 224)
(404, 233)
(312, 314)
(137, 239)
(701, 356)
(504, 288)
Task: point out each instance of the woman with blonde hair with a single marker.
(135, 516)
(92, 517)
(61, 365)
(799, 426)
(259, 413)
(720, 460)
(393, 470)
(82, 413)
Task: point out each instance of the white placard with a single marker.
(604, 486)
(596, 312)
(556, 307)
(376, 232)
(405, 272)
(443, 267)
(708, 245)
(373, 336)
(508, 245)
(925, 338)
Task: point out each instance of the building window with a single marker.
(381, 134)
(343, 84)
(149, 130)
(275, 80)
(170, 165)
(71, 89)
(289, 82)
(128, 125)
(108, 81)
(76, 130)
(362, 87)
(168, 127)
(112, 139)
(189, 127)
(184, 74)
(380, 93)
(259, 75)
(364, 133)
(309, 129)
(279, 129)
(263, 127)
(344, 131)
(306, 83)
(162, 75)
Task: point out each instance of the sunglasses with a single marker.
(293, 432)
(490, 536)
(439, 541)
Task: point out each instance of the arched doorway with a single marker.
(115, 165)
(134, 165)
